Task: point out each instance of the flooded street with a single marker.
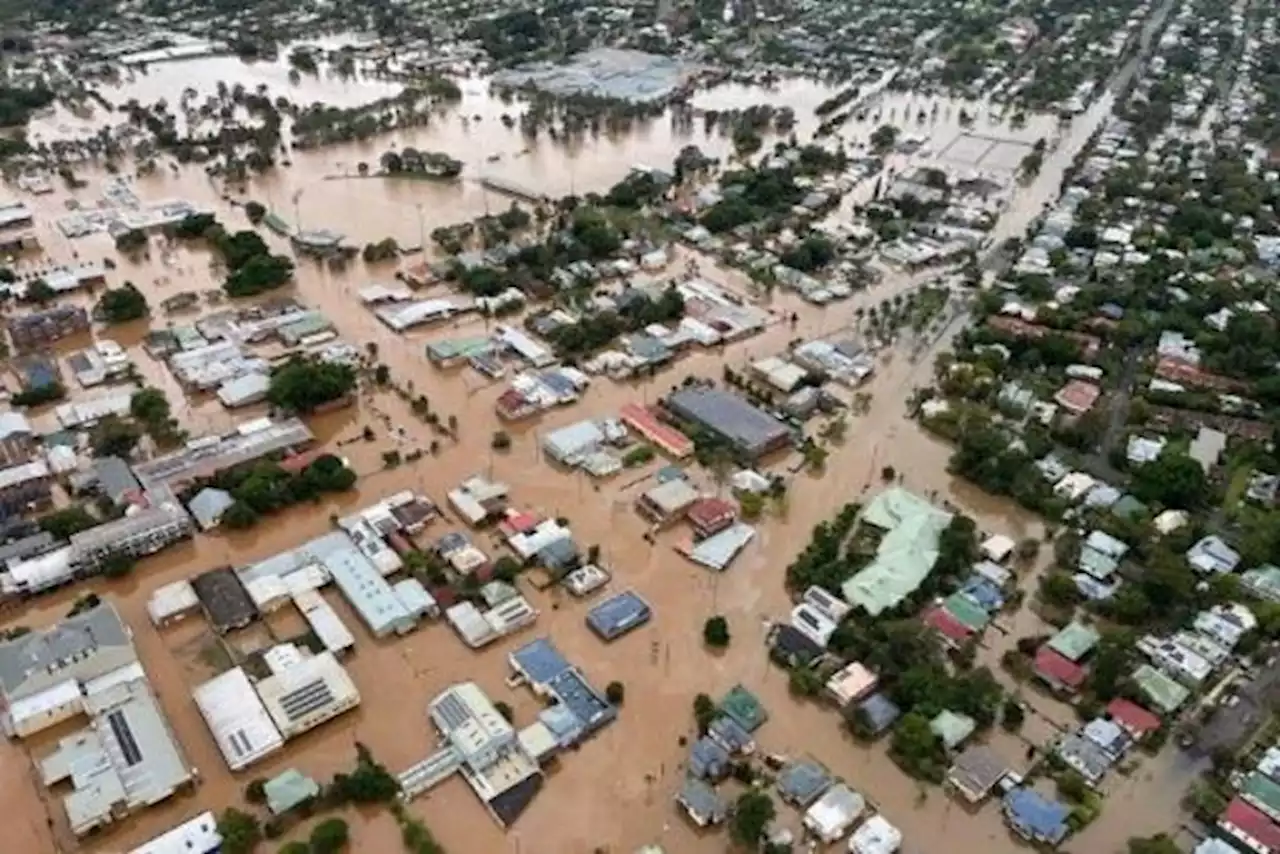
(616, 792)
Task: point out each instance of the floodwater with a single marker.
(616, 792)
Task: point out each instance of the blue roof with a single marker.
(708, 760)
(577, 695)
(540, 661)
(984, 592)
(548, 669)
(880, 711)
(1035, 815)
(618, 615)
(563, 724)
(558, 382)
(38, 374)
(803, 782)
(730, 733)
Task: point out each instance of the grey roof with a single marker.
(27, 547)
(750, 429)
(62, 648)
(708, 760)
(978, 769)
(802, 782)
(13, 423)
(879, 711)
(618, 615)
(115, 478)
(208, 506)
(699, 798)
(731, 735)
(1085, 757)
(224, 598)
(134, 758)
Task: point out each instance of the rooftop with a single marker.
(906, 554)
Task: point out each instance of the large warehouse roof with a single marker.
(750, 429)
(239, 722)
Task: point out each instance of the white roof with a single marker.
(295, 699)
(38, 705)
(324, 621)
(267, 590)
(470, 624)
(196, 836)
(39, 573)
(876, 836)
(239, 722)
(997, 547)
(834, 813)
(171, 600)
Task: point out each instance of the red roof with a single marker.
(1058, 669)
(1078, 396)
(940, 620)
(1133, 717)
(668, 438)
(518, 522)
(711, 513)
(298, 462)
(1246, 820)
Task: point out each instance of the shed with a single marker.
(288, 789)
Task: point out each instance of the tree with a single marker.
(883, 139)
(704, 712)
(118, 565)
(256, 791)
(121, 305)
(751, 816)
(715, 632)
(329, 836)
(239, 830)
(505, 710)
(1159, 844)
(297, 846)
(131, 241)
(615, 692)
(239, 516)
(63, 524)
(804, 681)
(303, 385)
(255, 211)
(917, 749)
(500, 441)
(1172, 480)
(114, 436)
(1012, 715)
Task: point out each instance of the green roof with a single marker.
(452, 348)
(288, 789)
(1074, 641)
(1128, 507)
(1264, 582)
(953, 728)
(1263, 792)
(906, 554)
(1166, 694)
(741, 705)
(970, 613)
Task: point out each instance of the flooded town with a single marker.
(647, 428)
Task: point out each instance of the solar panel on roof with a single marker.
(307, 699)
(124, 737)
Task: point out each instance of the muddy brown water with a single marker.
(616, 791)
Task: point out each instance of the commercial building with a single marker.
(484, 747)
(39, 329)
(24, 485)
(307, 691)
(906, 553)
(159, 523)
(751, 431)
(195, 836)
(363, 585)
(206, 457)
(224, 599)
(553, 678)
(43, 674)
(237, 719)
(127, 758)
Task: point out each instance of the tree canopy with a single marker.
(121, 305)
(303, 385)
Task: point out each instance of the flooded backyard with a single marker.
(615, 793)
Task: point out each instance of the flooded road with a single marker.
(616, 791)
